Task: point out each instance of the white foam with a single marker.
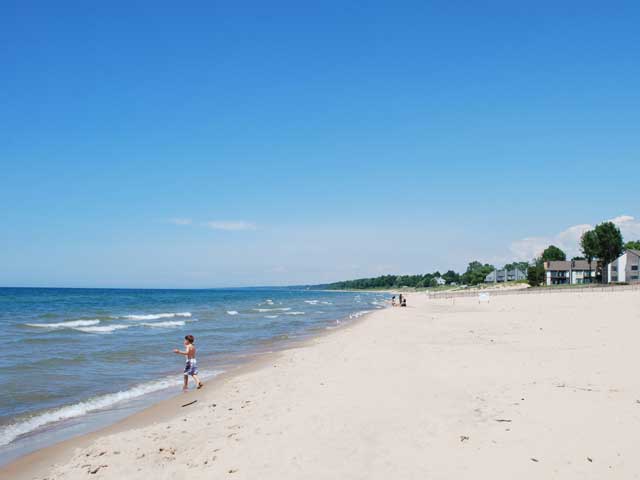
(69, 324)
(102, 329)
(359, 314)
(232, 312)
(156, 316)
(312, 302)
(10, 432)
(271, 316)
(329, 327)
(174, 323)
(262, 310)
(294, 313)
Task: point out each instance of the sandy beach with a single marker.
(524, 386)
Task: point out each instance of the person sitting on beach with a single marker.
(191, 368)
(393, 301)
(404, 302)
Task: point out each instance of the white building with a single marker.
(503, 275)
(625, 268)
(564, 272)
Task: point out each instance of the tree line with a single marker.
(604, 243)
(475, 273)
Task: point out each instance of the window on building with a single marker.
(634, 267)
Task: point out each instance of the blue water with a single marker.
(74, 353)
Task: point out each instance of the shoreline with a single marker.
(37, 462)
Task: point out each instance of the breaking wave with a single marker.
(69, 324)
(102, 329)
(156, 316)
(174, 323)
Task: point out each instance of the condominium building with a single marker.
(504, 275)
(625, 268)
(560, 272)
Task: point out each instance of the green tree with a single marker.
(522, 266)
(451, 277)
(535, 272)
(610, 244)
(632, 245)
(589, 245)
(552, 253)
(476, 273)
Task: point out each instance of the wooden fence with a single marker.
(536, 291)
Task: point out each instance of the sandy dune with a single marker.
(526, 386)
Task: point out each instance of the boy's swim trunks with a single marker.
(190, 367)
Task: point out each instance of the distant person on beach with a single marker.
(400, 297)
(393, 301)
(191, 367)
(404, 302)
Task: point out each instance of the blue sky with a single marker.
(152, 144)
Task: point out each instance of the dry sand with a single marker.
(526, 386)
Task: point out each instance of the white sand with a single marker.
(527, 386)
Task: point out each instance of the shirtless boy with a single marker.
(191, 368)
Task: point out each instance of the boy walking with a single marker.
(191, 368)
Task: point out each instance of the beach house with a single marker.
(625, 268)
(570, 272)
(504, 275)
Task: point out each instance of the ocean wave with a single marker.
(294, 313)
(174, 323)
(11, 432)
(102, 329)
(69, 324)
(271, 316)
(262, 310)
(156, 316)
(232, 312)
(329, 327)
(312, 302)
(359, 314)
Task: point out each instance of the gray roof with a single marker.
(584, 264)
(557, 265)
(566, 265)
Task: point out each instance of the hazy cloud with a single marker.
(233, 225)
(180, 221)
(629, 226)
(569, 239)
(228, 225)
